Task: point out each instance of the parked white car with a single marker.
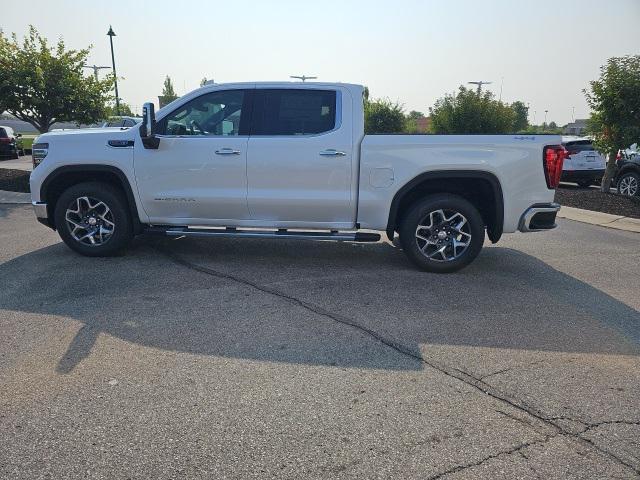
(292, 161)
(583, 165)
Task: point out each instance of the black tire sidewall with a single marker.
(435, 202)
(114, 199)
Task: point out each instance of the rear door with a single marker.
(299, 160)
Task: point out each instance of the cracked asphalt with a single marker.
(199, 358)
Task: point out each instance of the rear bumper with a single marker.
(575, 175)
(539, 217)
(42, 215)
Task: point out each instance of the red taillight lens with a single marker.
(618, 156)
(553, 157)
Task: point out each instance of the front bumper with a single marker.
(538, 217)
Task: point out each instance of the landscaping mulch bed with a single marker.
(14, 180)
(593, 199)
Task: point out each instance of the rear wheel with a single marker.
(629, 184)
(442, 233)
(93, 219)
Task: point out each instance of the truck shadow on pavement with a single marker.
(312, 303)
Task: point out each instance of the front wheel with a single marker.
(93, 219)
(442, 233)
(629, 184)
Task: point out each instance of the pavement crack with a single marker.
(516, 449)
(452, 372)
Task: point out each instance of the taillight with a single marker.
(618, 156)
(553, 156)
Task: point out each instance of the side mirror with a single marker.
(148, 127)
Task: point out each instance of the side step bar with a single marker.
(280, 233)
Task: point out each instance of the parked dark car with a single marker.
(627, 177)
(10, 143)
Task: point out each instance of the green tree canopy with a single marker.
(615, 103)
(471, 112)
(167, 91)
(383, 116)
(42, 85)
(521, 121)
(414, 114)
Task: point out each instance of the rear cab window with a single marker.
(3, 133)
(287, 112)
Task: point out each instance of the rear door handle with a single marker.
(227, 151)
(331, 152)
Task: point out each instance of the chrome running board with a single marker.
(335, 236)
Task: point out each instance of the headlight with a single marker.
(38, 152)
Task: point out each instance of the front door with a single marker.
(198, 174)
(299, 162)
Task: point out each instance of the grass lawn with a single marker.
(27, 140)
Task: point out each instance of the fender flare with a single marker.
(90, 169)
(494, 232)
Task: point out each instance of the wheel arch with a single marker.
(66, 176)
(474, 185)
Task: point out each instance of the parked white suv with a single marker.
(291, 160)
(583, 165)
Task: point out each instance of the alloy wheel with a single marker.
(443, 235)
(90, 221)
(628, 186)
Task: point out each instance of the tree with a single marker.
(383, 116)
(167, 91)
(125, 110)
(615, 103)
(553, 125)
(42, 85)
(471, 112)
(414, 114)
(521, 121)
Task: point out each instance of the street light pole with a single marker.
(95, 69)
(112, 34)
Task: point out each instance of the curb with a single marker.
(618, 222)
(14, 198)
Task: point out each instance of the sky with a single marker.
(542, 52)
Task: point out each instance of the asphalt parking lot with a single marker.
(275, 359)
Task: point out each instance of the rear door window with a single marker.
(293, 112)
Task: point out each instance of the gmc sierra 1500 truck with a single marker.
(291, 160)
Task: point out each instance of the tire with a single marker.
(15, 155)
(585, 183)
(629, 184)
(438, 215)
(94, 207)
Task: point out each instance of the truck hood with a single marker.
(108, 133)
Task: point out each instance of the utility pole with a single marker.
(479, 84)
(303, 77)
(112, 34)
(95, 69)
(573, 113)
(501, 85)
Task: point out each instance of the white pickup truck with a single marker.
(291, 160)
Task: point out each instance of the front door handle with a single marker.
(227, 151)
(330, 152)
